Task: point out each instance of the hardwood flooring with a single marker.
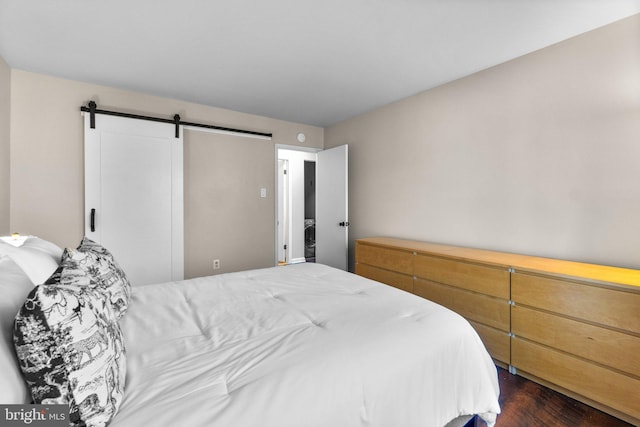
(528, 404)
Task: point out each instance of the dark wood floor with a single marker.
(526, 404)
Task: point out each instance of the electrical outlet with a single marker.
(216, 264)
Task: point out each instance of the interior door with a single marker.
(134, 196)
(332, 216)
(283, 223)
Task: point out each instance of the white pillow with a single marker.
(14, 240)
(38, 258)
(15, 285)
(45, 246)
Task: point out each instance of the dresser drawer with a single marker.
(497, 342)
(474, 277)
(386, 258)
(594, 382)
(397, 280)
(483, 309)
(615, 349)
(606, 306)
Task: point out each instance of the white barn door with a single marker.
(332, 213)
(134, 195)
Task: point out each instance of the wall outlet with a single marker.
(216, 264)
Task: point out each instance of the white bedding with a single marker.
(302, 345)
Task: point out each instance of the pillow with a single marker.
(71, 351)
(14, 240)
(15, 285)
(37, 262)
(88, 245)
(117, 275)
(88, 269)
(45, 246)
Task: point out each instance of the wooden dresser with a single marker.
(571, 326)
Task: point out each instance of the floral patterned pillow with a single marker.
(71, 350)
(88, 245)
(95, 271)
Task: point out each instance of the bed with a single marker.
(299, 345)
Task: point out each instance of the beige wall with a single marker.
(225, 218)
(540, 155)
(5, 97)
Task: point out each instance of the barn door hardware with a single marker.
(93, 110)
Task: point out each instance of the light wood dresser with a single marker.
(571, 326)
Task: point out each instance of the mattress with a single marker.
(301, 345)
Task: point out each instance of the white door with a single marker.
(283, 224)
(134, 196)
(332, 219)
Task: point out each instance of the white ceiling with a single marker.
(310, 61)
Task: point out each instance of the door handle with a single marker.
(93, 220)
(344, 224)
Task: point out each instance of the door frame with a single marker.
(277, 195)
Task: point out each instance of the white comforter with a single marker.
(302, 345)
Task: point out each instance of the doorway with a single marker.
(283, 205)
(312, 210)
(296, 206)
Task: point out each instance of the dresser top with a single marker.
(599, 274)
